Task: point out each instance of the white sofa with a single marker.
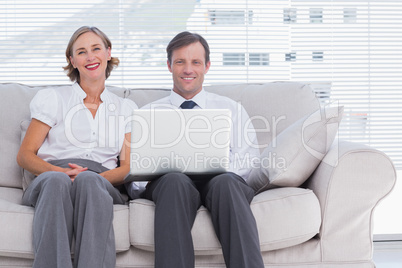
(326, 222)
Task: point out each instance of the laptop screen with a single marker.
(191, 141)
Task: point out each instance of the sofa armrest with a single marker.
(349, 183)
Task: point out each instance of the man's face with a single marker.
(188, 68)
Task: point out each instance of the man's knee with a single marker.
(175, 186)
(230, 185)
(226, 180)
(174, 180)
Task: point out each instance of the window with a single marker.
(234, 59)
(349, 15)
(318, 56)
(316, 15)
(290, 56)
(226, 17)
(259, 59)
(354, 57)
(289, 15)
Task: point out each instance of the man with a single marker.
(227, 196)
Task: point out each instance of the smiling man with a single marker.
(188, 67)
(227, 196)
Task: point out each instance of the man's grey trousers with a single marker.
(177, 198)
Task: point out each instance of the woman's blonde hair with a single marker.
(72, 72)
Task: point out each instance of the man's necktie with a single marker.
(188, 104)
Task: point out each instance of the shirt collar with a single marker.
(201, 99)
(82, 95)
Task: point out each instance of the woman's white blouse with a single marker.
(74, 132)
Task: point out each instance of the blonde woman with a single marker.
(71, 148)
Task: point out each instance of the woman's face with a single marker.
(90, 57)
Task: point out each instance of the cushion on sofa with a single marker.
(295, 153)
(13, 195)
(16, 241)
(284, 216)
(14, 107)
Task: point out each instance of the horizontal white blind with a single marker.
(358, 50)
(349, 51)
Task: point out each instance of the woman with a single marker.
(73, 143)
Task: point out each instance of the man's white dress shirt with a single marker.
(243, 143)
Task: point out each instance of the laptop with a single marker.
(190, 141)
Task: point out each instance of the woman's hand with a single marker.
(74, 170)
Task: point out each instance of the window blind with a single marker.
(349, 51)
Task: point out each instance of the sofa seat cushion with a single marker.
(13, 195)
(285, 217)
(16, 227)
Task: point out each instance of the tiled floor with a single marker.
(388, 254)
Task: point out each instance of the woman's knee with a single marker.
(49, 186)
(87, 178)
(54, 180)
(89, 181)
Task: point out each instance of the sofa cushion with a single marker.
(296, 152)
(13, 195)
(16, 230)
(16, 226)
(284, 216)
(14, 107)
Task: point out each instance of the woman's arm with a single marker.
(116, 176)
(27, 156)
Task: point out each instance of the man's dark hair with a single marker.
(184, 39)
